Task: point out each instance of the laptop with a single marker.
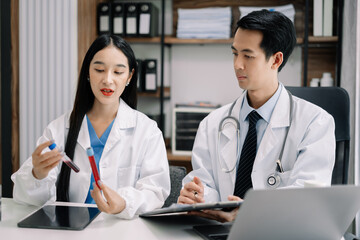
(296, 213)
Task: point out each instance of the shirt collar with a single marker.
(125, 117)
(265, 110)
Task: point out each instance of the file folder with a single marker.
(318, 18)
(148, 20)
(118, 10)
(328, 18)
(104, 22)
(150, 75)
(131, 20)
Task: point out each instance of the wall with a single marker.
(48, 66)
(201, 72)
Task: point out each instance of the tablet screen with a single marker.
(60, 217)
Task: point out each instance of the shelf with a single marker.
(312, 39)
(156, 94)
(143, 40)
(173, 40)
(177, 158)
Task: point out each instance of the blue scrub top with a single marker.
(98, 147)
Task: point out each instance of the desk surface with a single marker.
(103, 227)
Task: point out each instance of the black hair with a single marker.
(84, 101)
(278, 32)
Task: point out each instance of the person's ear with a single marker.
(277, 60)
(130, 76)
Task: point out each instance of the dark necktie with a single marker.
(248, 153)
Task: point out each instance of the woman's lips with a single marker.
(106, 91)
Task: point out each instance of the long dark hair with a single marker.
(84, 101)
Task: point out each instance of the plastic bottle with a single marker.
(314, 82)
(326, 80)
(65, 158)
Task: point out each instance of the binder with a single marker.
(148, 20)
(104, 20)
(140, 77)
(318, 18)
(118, 10)
(150, 75)
(131, 20)
(328, 18)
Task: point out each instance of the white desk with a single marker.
(104, 227)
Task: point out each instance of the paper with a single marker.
(118, 25)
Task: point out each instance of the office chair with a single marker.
(334, 100)
(177, 174)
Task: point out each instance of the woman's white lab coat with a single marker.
(309, 152)
(134, 163)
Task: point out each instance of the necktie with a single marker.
(247, 157)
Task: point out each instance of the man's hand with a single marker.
(193, 192)
(219, 215)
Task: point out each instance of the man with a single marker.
(266, 138)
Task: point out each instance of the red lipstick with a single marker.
(107, 91)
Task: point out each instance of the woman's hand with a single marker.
(219, 215)
(43, 163)
(193, 192)
(113, 202)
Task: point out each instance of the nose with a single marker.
(108, 78)
(238, 63)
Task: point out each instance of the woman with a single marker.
(129, 148)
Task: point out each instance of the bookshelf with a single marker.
(320, 54)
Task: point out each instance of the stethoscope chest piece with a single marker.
(273, 180)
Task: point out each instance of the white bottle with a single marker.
(326, 80)
(314, 82)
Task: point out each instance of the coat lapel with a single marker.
(279, 119)
(229, 140)
(125, 119)
(84, 138)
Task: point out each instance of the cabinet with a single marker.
(319, 54)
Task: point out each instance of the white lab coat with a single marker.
(309, 153)
(134, 163)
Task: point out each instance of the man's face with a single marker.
(252, 69)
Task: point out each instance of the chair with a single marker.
(334, 100)
(350, 236)
(177, 174)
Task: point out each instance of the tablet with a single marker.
(60, 217)
(178, 208)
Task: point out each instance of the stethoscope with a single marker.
(273, 180)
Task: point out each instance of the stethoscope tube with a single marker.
(273, 179)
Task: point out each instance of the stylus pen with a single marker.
(90, 153)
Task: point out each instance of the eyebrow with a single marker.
(244, 50)
(118, 65)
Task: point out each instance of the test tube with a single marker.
(90, 153)
(65, 158)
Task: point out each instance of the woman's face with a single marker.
(109, 73)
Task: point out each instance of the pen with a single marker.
(90, 153)
(279, 166)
